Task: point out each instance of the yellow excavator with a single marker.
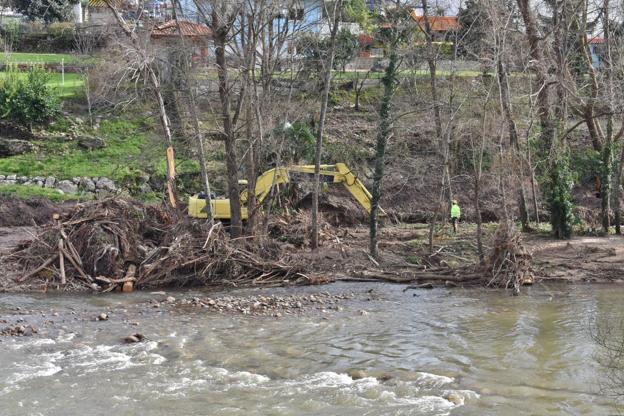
(337, 173)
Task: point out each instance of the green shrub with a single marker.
(587, 165)
(28, 101)
(61, 28)
(301, 142)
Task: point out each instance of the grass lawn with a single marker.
(72, 85)
(128, 153)
(419, 73)
(46, 58)
(22, 191)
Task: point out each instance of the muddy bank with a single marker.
(18, 212)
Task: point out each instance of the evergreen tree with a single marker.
(473, 19)
(46, 10)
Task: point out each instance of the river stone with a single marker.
(2, 177)
(102, 317)
(40, 184)
(22, 179)
(12, 147)
(106, 184)
(67, 187)
(130, 339)
(11, 178)
(455, 398)
(50, 182)
(357, 374)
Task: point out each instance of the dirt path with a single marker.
(582, 259)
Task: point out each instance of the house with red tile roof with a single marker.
(441, 26)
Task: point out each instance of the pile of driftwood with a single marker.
(510, 263)
(118, 244)
(295, 228)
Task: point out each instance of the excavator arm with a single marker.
(337, 173)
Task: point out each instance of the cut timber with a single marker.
(128, 286)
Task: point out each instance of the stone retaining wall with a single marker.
(73, 186)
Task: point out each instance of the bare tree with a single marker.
(144, 62)
(191, 101)
(328, 64)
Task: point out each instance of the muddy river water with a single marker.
(489, 353)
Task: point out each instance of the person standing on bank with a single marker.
(455, 215)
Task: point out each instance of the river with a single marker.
(491, 353)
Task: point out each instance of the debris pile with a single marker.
(296, 228)
(114, 244)
(509, 263)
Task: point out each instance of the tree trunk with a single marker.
(503, 83)
(192, 109)
(433, 80)
(319, 136)
(385, 131)
(477, 206)
(617, 183)
(220, 39)
(251, 176)
(543, 95)
(607, 152)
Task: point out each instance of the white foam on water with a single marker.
(66, 337)
(252, 378)
(430, 404)
(145, 357)
(90, 359)
(325, 379)
(434, 380)
(32, 371)
(32, 342)
(184, 383)
(240, 378)
(124, 399)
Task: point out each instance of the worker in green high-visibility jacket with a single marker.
(455, 215)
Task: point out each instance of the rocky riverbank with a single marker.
(260, 305)
(20, 321)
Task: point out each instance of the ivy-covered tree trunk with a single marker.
(385, 130)
(617, 183)
(607, 172)
(559, 184)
